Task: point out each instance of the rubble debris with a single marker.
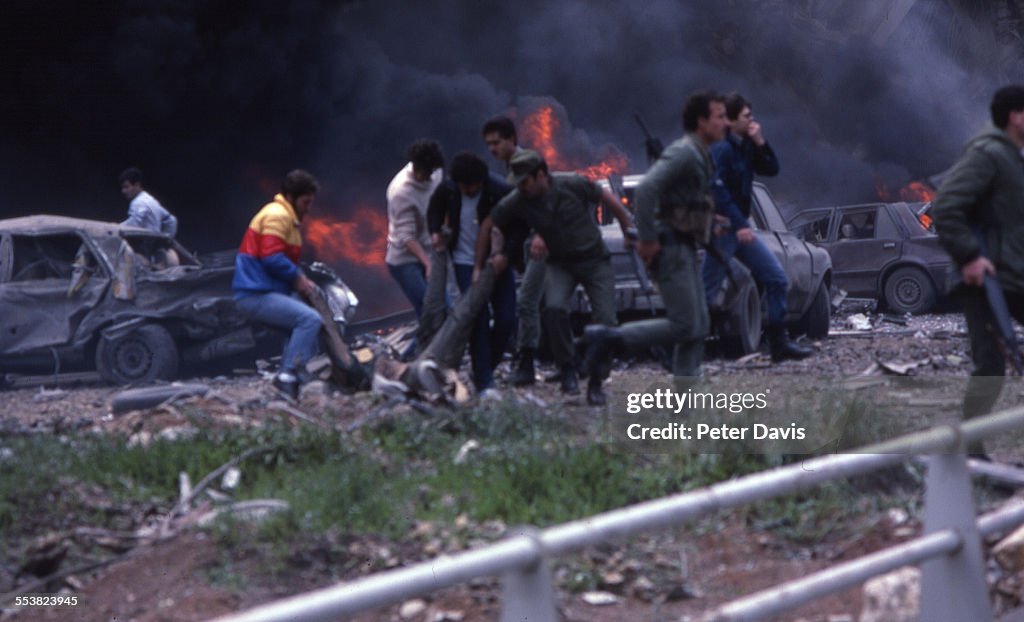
(231, 479)
(599, 599)
(859, 321)
(901, 369)
(412, 608)
(253, 510)
(149, 397)
(901, 320)
(892, 597)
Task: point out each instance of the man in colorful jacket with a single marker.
(267, 276)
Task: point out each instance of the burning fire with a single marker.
(359, 240)
(912, 192)
(543, 131)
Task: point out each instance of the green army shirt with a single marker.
(682, 173)
(563, 217)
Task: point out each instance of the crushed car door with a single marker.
(866, 240)
(792, 253)
(54, 281)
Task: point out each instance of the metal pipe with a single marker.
(789, 595)
(1010, 516)
(516, 552)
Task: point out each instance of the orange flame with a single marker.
(916, 191)
(359, 240)
(542, 130)
(912, 192)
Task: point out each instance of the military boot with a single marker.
(570, 385)
(782, 348)
(524, 373)
(603, 342)
(595, 392)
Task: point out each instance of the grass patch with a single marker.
(526, 468)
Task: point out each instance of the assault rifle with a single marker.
(652, 145)
(646, 287)
(1006, 338)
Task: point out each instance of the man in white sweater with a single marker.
(408, 194)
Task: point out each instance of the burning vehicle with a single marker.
(887, 251)
(130, 303)
(737, 313)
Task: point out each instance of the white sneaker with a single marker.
(490, 395)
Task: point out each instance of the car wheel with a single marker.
(909, 290)
(741, 334)
(145, 354)
(815, 322)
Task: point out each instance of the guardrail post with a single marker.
(528, 593)
(953, 587)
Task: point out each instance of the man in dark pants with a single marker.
(743, 153)
(979, 216)
(674, 211)
(461, 203)
(502, 142)
(559, 208)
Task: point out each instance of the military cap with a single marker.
(523, 164)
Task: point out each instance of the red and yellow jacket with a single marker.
(268, 258)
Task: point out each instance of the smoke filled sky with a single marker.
(216, 100)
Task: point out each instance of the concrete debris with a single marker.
(859, 321)
(231, 478)
(599, 599)
(892, 597)
(901, 369)
(1009, 552)
(412, 608)
(643, 588)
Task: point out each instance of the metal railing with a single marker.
(953, 580)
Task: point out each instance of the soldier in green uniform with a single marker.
(674, 212)
(979, 216)
(559, 207)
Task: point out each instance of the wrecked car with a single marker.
(130, 303)
(737, 313)
(881, 250)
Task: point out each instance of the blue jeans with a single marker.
(412, 278)
(763, 265)
(290, 313)
(487, 343)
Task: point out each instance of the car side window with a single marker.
(858, 225)
(816, 230)
(885, 228)
(41, 257)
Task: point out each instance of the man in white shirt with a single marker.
(144, 210)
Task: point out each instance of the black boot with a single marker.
(570, 386)
(595, 394)
(524, 373)
(603, 342)
(782, 348)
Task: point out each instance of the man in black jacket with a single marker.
(461, 203)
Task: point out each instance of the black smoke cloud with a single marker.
(216, 100)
